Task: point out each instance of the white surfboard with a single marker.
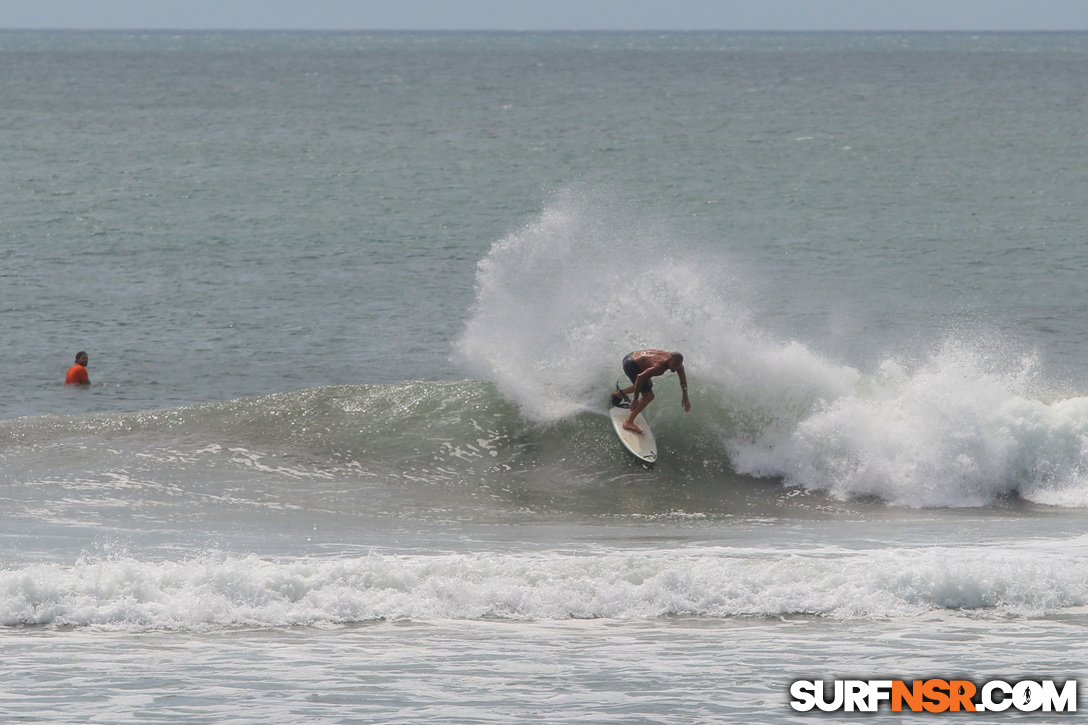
(642, 447)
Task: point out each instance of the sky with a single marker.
(981, 15)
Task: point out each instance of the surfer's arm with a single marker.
(642, 378)
(684, 389)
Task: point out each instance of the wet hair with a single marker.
(80, 354)
(679, 357)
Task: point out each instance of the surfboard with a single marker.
(642, 447)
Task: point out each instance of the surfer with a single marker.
(77, 374)
(642, 365)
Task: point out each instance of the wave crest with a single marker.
(229, 591)
(562, 299)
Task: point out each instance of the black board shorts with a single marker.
(632, 370)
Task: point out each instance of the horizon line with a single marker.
(535, 30)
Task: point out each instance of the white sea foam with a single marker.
(957, 430)
(220, 590)
(561, 300)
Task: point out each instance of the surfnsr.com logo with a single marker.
(934, 695)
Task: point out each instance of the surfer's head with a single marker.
(676, 361)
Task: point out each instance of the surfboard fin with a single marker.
(619, 400)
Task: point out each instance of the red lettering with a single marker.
(912, 696)
(961, 692)
(934, 691)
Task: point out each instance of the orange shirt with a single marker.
(77, 375)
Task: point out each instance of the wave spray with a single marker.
(562, 299)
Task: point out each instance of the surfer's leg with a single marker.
(637, 407)
(632, 370)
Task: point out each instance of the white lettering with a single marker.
(879, 691)
(1027, 696)
(804, 698)
(1065, 701)
(856, 696)
(988, 698)
(823, 704)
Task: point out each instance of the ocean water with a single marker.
(353, 305)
